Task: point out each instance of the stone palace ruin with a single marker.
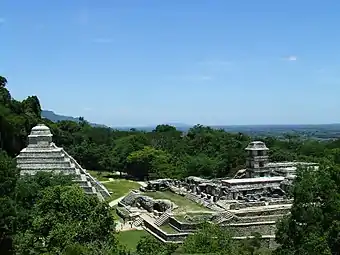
(250, 202)
(42, 154)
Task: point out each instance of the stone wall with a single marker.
(123, 213)
(157, 232)
(238, 228)
(263, 218)
(247, 229)
(239, 231)
(183, 226)
(245, 205)
(262, 213)
(281, 202)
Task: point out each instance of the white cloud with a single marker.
(103, 40)
(290, 58)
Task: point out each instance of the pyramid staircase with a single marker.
(42, 155)
(163, 218)
(138, 222)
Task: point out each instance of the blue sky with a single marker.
(142, 62)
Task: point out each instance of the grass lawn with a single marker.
(182, 203)
(102, 175)
(181, 217)
(168, 229)
(120, 187)
(131, 238)
(114, 213)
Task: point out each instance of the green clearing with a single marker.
(115, 215)
(102, 175)
(182, 203)
(168, 229)
(181, 217)
(131, 238)
(120, 187)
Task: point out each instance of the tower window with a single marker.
(259, 153)
(261, 164)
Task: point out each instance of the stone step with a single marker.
(138, 222)
(57, 171)
(40, 154)
(46, 165)
(81, 182)
(86, 188)
(259, 218)
(163, 218)
(80, 178)
(41, 159)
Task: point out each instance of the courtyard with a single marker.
(184, 204)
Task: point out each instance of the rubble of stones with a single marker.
(212, 189)
(141, 201)
(158, 185)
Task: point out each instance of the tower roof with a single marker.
(257, 146)
(40, 130)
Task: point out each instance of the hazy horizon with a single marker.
(178, 124)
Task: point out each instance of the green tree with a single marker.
(313, 226)
(149, 245)
(211, 239)
(65, 216)
(149, 163)
(8, 178)
(29, 189)
(3, 81)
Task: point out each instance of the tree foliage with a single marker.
(213, 239)
(64, 216)
(313, 226)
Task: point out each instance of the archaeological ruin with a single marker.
(42, 154)
(253, 201)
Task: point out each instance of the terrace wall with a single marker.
(183, 226)
(245, 205)
(247, 229)
(262, 213)
(240, 231)
(160, 234)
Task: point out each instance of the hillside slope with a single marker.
(50, 115)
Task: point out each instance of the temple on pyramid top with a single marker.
(42, 154)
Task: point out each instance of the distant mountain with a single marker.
(321, 131)
(56, 117)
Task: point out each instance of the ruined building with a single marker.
(42, 154)
(257, 160)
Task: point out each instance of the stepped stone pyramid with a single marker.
(42, 154)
